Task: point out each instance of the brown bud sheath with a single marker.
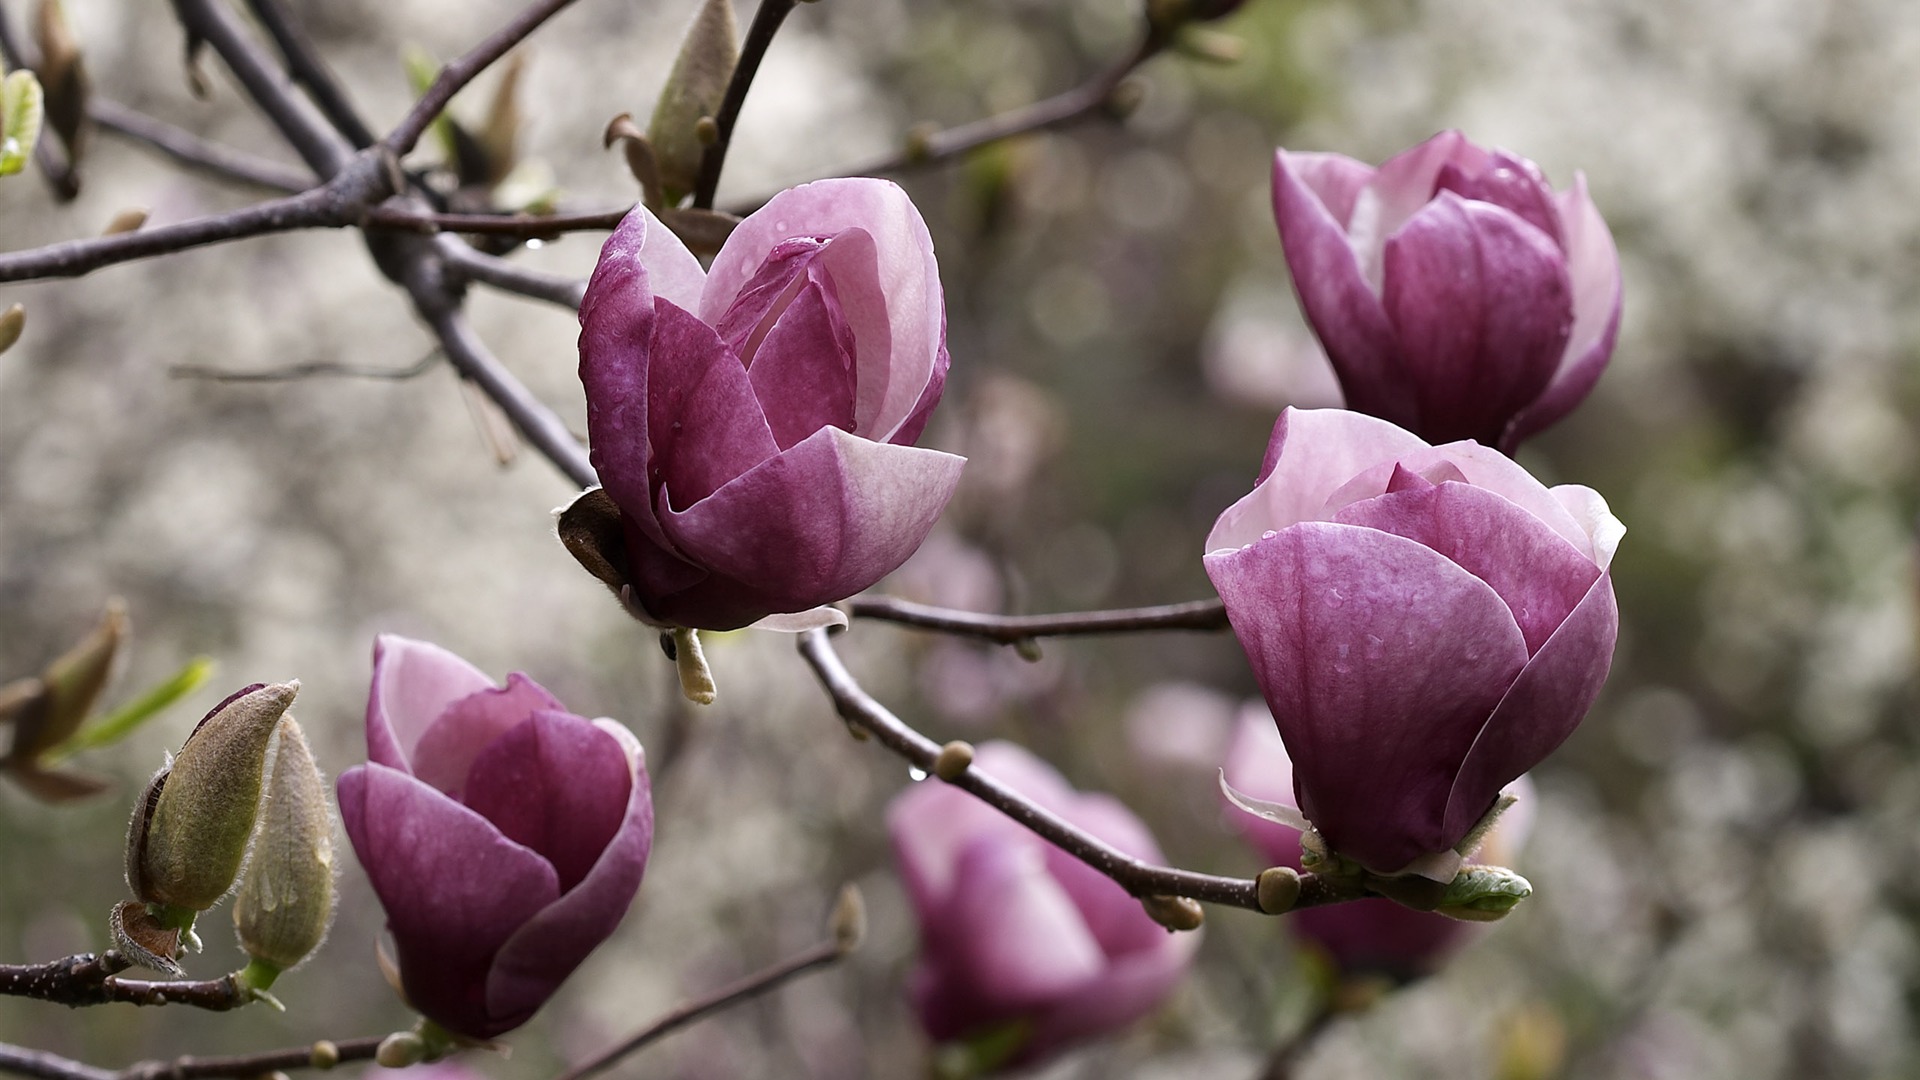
(190, 832)
(286, 897)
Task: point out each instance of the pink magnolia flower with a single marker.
(1374, 935)
(1455, 293)
(1015, 931)
(753, 426)
(504, 835)
(1426, 624)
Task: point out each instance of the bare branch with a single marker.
(759, 982)
(190, 149)
(458, 74)
(316, 209)
(312, 369)
(24, 1062)
(90, 979)
(766, 23)
(243, 1066)
(501, 274)
(1011, 629)
(531, 226)
(307, 69)
(321, 147)
(1142, 879)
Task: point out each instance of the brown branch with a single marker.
(242, 1066)
(458, 74)
(94, 979)
(321, 147)
(1012, 629)
(24, 1062)
(530, 226)
(1078, 103)
(766, 23)
(1140, 878)
(501, 274)
(307, 69)
(759, 982)
(190, 149)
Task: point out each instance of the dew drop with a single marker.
(916, 774)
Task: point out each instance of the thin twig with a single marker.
(94, 979)
(311, 369)
(315, 209)
(530, 226)
(1010, 629)
(242, 1066)
(307, 69)
(766, 23)
(190, 149)
(1070, 105)
(759, 982)
(318, 144)
(458, 74)
(498, 272)
(1138, 877)
(437, 301)
(24, 1062)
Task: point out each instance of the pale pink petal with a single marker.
(1312, 453)
(1025, 944)
(413, 683)
(1590, 510)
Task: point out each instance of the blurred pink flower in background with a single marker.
(1456, 294)
(1375, 935)
(1016, 934)
(755, 424)
(1426, 624)
(504, 835)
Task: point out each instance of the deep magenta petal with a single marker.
(557, 784)
(820, 521)
(616, 335)
(413, 683)
(1381, 660)
(541, 954)
(1541, 709)
(453, 888)
(1483, 306)
(1536, 572)
(1593, 266)
(1340, 303)
(707, 427)
(1512, 183)
(803, 372)
(465, 728)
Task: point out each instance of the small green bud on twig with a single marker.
(401, 1049)
(1483, 894)
(325, 1055)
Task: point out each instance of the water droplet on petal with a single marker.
(916, 775)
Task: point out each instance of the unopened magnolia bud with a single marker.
(401, 1049)
(1174, 912)
(1483, 894)
(190, 832)
(953, 760)
(1278, 889)
(849, 922)
(14, 319)
(22, 111)
(286, 899)
(324, 1055)
(70, 686)
(694, 91)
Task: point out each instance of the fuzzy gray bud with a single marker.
(286, 899)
